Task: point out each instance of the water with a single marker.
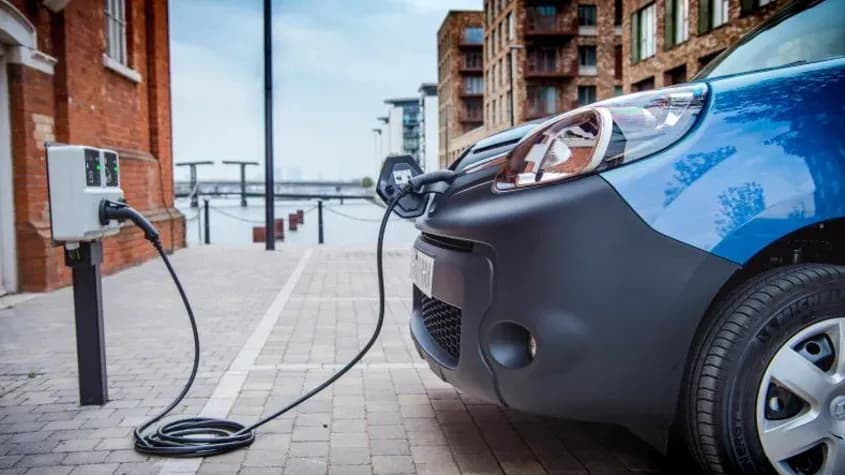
(354, 223)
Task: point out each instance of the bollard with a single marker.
(320, 222)
(258, 234)
(292, 222)
(207, 223)
(300, 216)
(279, 229)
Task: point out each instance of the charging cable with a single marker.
(204, 436)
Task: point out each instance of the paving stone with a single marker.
(77, 445)
(349, 456)
(83, 458)
(388, 464)
(350, 470)
(265, 458)
(305, 466)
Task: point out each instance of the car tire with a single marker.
(736, 368)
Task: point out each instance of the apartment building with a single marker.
(667, 42)
(460, 85)
(410, 127)
(82, 72)
(544, 57)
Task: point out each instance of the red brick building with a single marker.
(82, 72)
(668, 41)
(460, 85)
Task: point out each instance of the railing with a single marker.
(535, 109)
(557, 24)
(471, 116)
(539, 67)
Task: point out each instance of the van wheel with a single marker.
(766, 387)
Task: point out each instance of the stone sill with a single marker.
(121, 69)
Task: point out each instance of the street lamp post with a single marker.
(377, 147)
(269, 181)
(513, 49)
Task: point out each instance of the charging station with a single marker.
(87, 204)
(79, 180)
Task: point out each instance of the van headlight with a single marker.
(603, 135)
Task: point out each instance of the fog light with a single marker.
(511, 345)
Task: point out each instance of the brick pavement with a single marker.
(392, 415)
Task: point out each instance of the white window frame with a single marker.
(648, 30)
(116, 31)
(681, 21)
(721, 13)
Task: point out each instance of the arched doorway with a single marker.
(17, 34)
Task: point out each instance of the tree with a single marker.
(367, 182)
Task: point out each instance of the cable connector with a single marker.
(110, 210)
(416, 184)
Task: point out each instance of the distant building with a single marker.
(410, 127)
(429, 133)
(82, 72)
(668, 42)
(460, 87)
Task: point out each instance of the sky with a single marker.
(334, 62)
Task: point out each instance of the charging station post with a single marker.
(79, 180)
(85, 262)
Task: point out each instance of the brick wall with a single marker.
(692, 53)
(450, 56)
(84, 102)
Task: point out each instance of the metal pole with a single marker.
(84, 262)
(193, 167)
(243, 185)
(320, 222)
(269, 203)
(207, 223)
(513, 92)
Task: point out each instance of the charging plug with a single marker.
(416, 184)
(119, 211)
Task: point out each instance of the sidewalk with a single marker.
(272, 325)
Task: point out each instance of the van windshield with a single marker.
(803, 32)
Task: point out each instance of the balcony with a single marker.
(471, 116)
(470, 69)
(540, 67)
(559, 25)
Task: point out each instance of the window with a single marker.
(748, 6)
(116, 31)
(644, 85)
(474, 35)
(587, 60)
(814, 32)
(586, 95)
(617, 62)
(587, 55)
(586, 15)
(547, 10)
(720, 12)
(643, 33)
(542, 60)
(711, 14)
(676, 22)
(473, 60)
(617, 13)
(676, 75)
(473, 85)
(617, 90)
(542, 100)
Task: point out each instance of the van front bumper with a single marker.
(611, 305)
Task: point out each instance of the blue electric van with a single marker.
(672, 260)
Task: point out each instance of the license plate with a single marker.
(422, 271)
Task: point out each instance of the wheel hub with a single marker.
(801, 402)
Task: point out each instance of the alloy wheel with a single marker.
(800, 408)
